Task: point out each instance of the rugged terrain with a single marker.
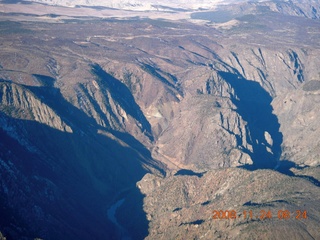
(186, 208)
(143, 127)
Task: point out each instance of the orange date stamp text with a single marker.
(261, 214)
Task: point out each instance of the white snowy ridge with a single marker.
(141, 5)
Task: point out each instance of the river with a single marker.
(121, 231)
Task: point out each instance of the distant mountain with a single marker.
(138, 4)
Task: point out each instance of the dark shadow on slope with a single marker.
(121, 94)
(311, 179)
(253, 204)
(197, 222)
(129, 215)
(285, 167)
(83, 164)
(52, 195)
(73, 163)
(84, 125)
(44, 80)
(254, 106)
(188, 172)
(78, 120)
(205, 203)
(177, 209)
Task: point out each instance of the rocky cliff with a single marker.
(172, 119)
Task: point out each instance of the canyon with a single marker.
(140, 127)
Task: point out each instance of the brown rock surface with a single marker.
(181, 207)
